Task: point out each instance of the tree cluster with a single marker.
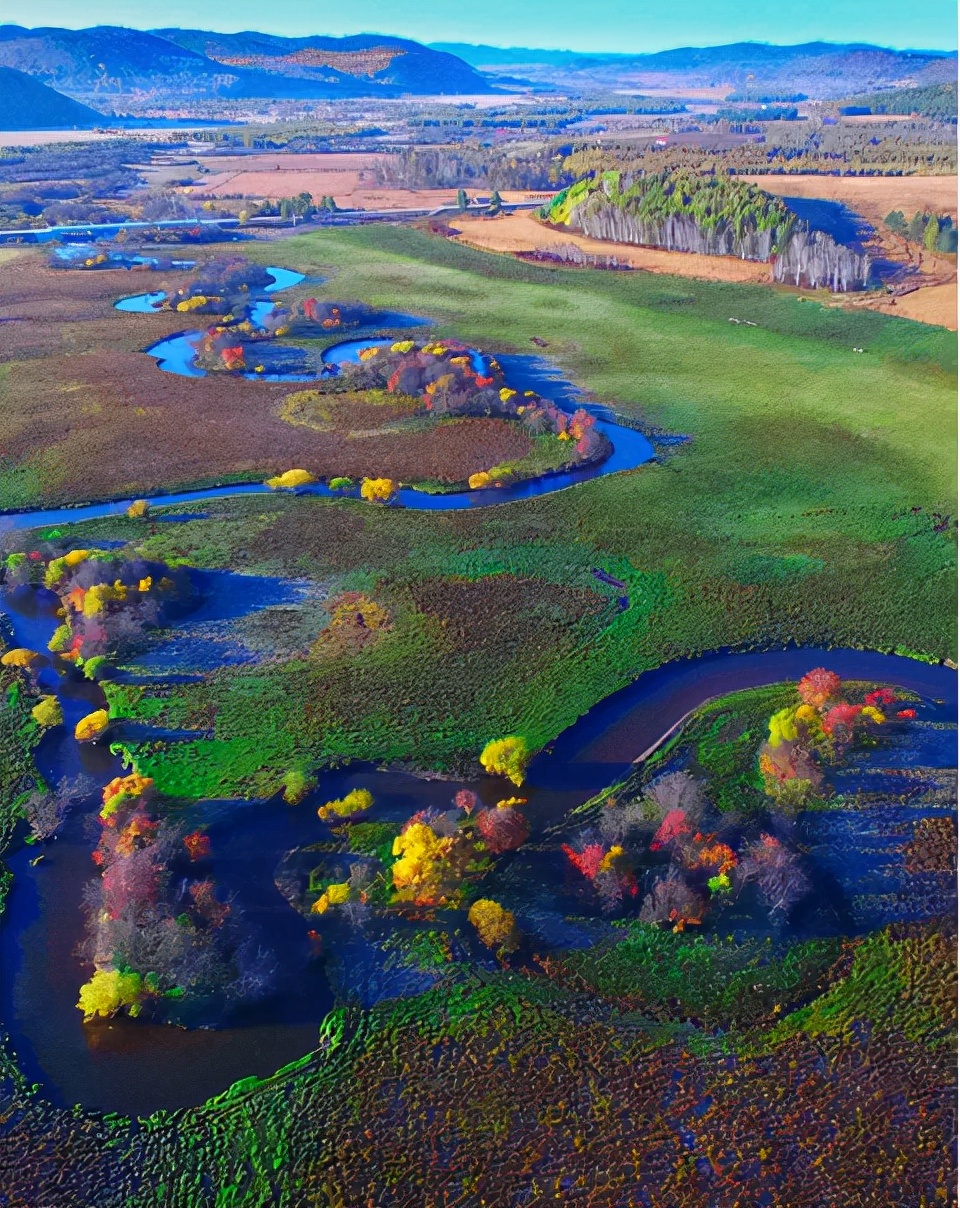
(108, 601)
(937, 232)
(157, 931)
(712, 215)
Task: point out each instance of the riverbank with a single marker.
(136, 1067)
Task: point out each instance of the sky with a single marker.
(586, 25)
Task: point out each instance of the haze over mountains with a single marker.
(819, 69)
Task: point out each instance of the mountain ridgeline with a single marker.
(710, 215)
(173, 63)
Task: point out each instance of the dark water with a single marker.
(206, 638)
(136, 1066)
(176, 354)
(72, 252)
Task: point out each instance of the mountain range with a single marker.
(26, 104)
(103, 64)
(109, 61)
(821, 70)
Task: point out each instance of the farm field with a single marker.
(348, 178)
(521, 232)
(872, 196)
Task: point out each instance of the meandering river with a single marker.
(136, 1066)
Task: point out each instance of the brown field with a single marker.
(275, 176)
(349, 179)
(935, 303)
(347, 161)
(348, 193)
(91, 416)
(872, 196)
(875, 197)
(520, 232)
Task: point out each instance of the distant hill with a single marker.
(818, 69)
(170, 63)
(371, 61)
(937, 101)
(485, 57)
(26, 104)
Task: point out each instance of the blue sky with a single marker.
(617, 25)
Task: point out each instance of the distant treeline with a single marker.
(456, 166)
(768, 98)
(937, 232)
(938, 101)
(710, 215)
(892, 148)
(775, 113)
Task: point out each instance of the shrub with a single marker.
(290, 479)
(355, 802)
(503, 828)
(92, 727)
(297, 784)
(495, 926)
(377, 490)
(48, 712)
(20, 656)
(107, 992)
(506, 757)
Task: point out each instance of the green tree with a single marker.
(947, 239)
(896, 222)
(918, 224)
(496, 202)
(462, 201)
(302, 204)
(931, 233)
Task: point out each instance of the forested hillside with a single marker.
(710, 215)
(938, 101)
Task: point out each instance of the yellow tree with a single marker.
(495, 926)
(506, 757)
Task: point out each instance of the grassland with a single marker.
(811, 504)
(86, 414)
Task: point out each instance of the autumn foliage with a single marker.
(506, 757)
(495, 926)
(805, 736)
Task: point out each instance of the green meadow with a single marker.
(811, 503)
